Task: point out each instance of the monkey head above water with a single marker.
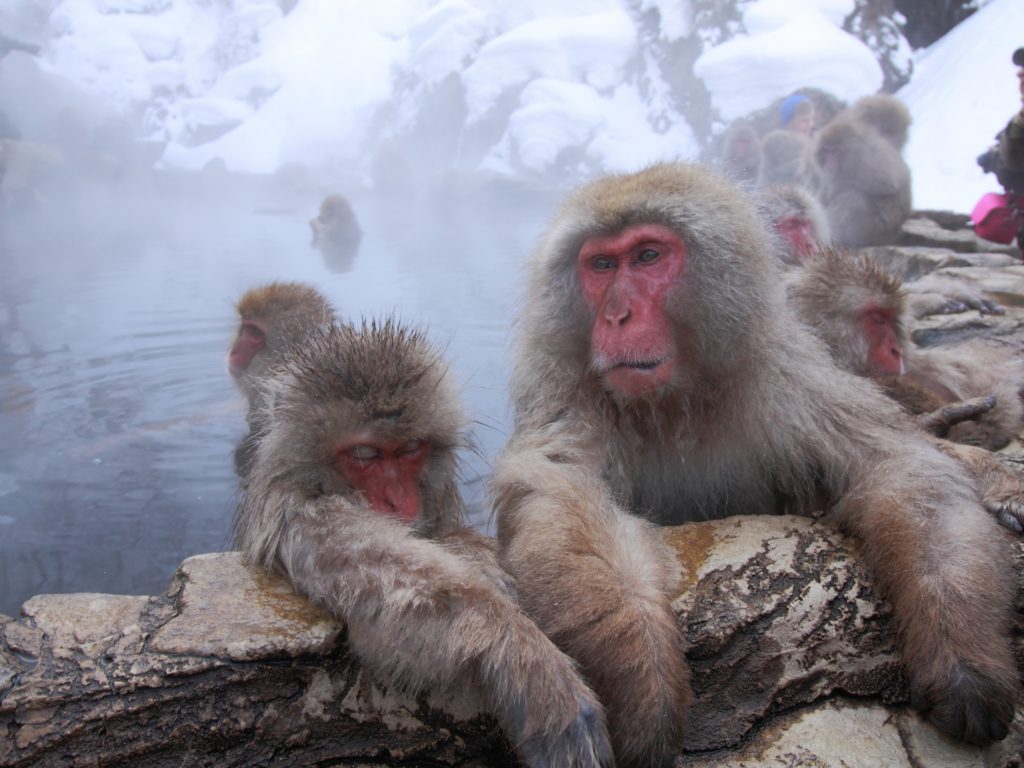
(660, 378)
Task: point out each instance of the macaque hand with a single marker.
(941, 420)
(970, 706)
(583, 744)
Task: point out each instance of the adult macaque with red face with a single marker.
(351, 494)
(660, 378)
(860, 311)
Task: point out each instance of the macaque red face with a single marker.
(798, 232)
(624, 279)
(252, 337)
(388, 474)
(885, 354)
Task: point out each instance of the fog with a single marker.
(159, 157)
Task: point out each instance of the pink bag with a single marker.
(997, 217)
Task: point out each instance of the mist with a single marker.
(159, 157)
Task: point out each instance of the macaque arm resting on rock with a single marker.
(422, 616)
(598, 582)
(943, 574)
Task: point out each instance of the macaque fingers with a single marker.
(940, 421)
(972, 707)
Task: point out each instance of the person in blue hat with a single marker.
(796, 113)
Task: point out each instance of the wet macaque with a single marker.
(864, 183)
(741, 154)
(660, 378)
(784, 158)
(273, 321)
(797, 219)
(351, 494)
(336, 232)
(860, 311)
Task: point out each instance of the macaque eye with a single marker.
(410, 448)
(647, 255)
(601, 264)
(363, 452)
(878, 318)
(252, 331)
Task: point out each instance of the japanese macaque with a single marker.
(886, 114)
(863, 182)
(351, 494)
(273, 321)
(784, 158)
(336, 232)
(741, 154)
(860, 311)
(660, 378)
(798, 221)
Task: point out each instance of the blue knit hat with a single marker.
(788, 107)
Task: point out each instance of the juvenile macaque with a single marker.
(336, 232)
(660, 378)
(886, 114)
(741, 154)
(860, 311)
(273, 321)
(351, 494)
(864, 183)
(784, 158)
(797, 219)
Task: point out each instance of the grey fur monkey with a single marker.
(861, 312)
(886, 114)
(660, 378)
(797, 219)
(863, 181)
(785, 156)
(351, 494)
(741, 154)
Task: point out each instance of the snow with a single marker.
(963, 92)
(542, 81)
(786, 50)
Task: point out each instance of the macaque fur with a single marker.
(860, 311)
(862, 180)
(351, 493)
(659, 378)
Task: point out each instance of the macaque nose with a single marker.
(616, 309)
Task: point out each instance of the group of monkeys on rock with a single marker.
(849, 179)
(661, 376)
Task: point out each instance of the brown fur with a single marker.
(426, 604)
(864, 183)
(759, 420)
(287, 313)
(829, 296)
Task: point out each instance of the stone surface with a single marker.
(231, 612)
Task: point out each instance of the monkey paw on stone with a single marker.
(973, 708)
(583, 744)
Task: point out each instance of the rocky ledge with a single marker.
(792, 653)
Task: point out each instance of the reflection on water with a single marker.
(117, 417)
